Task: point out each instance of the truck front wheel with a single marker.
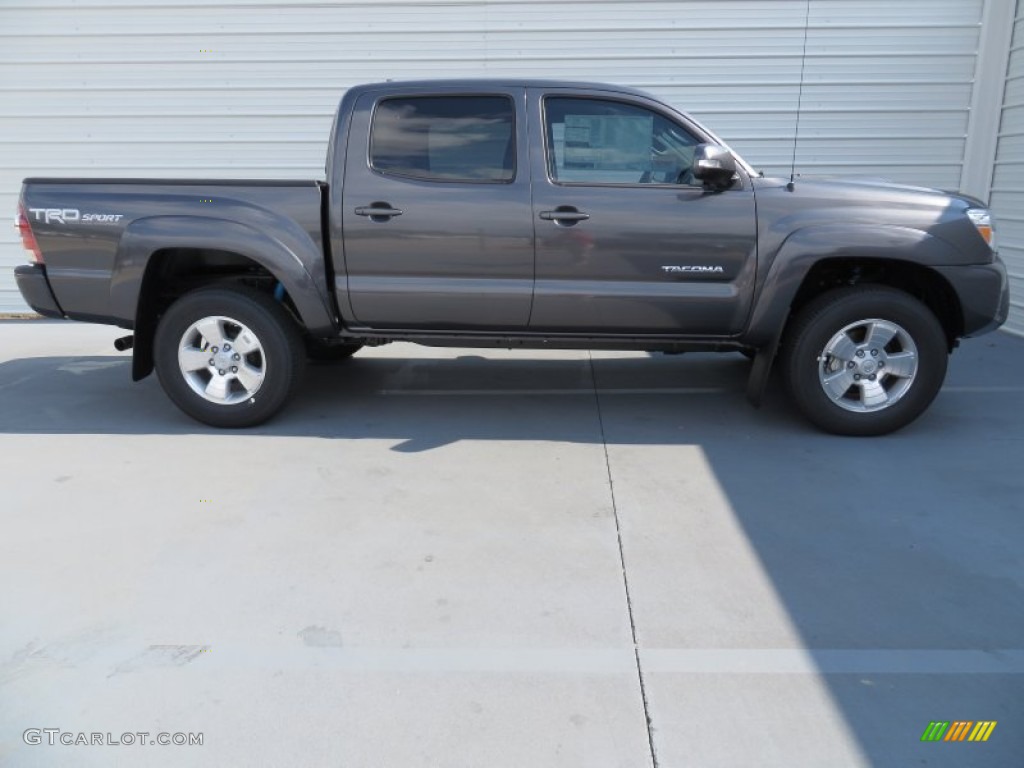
(864, 360)
(228, 356)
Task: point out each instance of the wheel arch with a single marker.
(857, 253)
(924, 284)
(161, 258)
(817, 259)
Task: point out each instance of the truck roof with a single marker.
(504, 82)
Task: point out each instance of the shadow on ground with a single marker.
(909, 542)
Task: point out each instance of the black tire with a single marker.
(330, 352)
(279, 361)
(806, 364)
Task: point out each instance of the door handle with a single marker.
(378, 211)
(565, 213)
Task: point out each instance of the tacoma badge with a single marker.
(701, 268)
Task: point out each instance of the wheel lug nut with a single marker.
(228, 346)
(234, 369)
(236, 356)
(872, 377)
(874, 353)
(214, 349)
(860, 352)
(220, 371)
(856, 377)
(211, 361)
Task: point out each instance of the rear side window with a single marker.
(445, 138)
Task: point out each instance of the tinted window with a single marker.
(445, 138)
(609, 142)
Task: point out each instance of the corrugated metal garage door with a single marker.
(185, 88)
(1008, 180)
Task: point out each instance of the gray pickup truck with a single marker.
(521, 214)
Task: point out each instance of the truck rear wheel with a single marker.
(228, 356)
(864, 360)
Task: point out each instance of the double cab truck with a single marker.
(521, 214)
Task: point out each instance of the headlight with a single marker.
(982, 221)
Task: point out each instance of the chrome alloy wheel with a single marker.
(222, 360)
(868, 365)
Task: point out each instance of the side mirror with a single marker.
(714, 165)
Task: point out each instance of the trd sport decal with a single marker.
(72, 216)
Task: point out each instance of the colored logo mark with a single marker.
(958, 730)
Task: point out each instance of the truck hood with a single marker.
(854, 210)
(872, 192)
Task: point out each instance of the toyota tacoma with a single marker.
(521, 214)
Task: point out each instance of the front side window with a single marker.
(445, 138)
(598, 141)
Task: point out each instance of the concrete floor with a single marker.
(463, 558)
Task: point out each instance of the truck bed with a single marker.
(87, 228)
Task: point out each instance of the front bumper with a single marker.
(984, 294)
(35, 289)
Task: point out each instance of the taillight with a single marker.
(27, 238)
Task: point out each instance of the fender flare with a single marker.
(808, 246)
(288, 264)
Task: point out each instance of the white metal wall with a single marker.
(1008, 179)
(247, 88)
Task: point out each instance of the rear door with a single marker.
(627, 241)
(436, 210)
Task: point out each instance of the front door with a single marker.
(436, 220)
(627, 241)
